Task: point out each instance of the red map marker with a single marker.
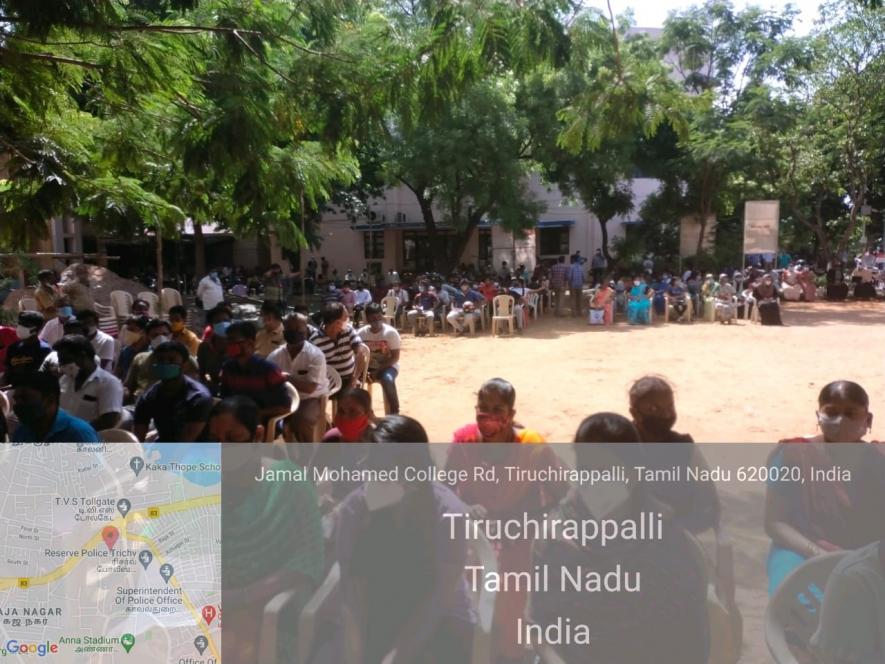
(110, 535)
(209, 614)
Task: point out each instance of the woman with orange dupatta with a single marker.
(507, 498)
(604, 299)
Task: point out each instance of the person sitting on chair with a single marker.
(87, 391)
(852, 619)
(384, 346)
(35, 402)
(421, 315)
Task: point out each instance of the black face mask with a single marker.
(293, 337)
(657, 426)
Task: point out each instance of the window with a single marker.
(417, 252)
(485, 245)
(373, 244)
(554, 241)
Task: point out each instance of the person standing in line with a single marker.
(576, 285)
(597, 267)
(210, 293)
(558, 275)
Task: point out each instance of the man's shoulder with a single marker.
(194, 388)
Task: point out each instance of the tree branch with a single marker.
(48, 57)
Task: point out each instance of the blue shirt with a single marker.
(459, 298)
(66, 429)
(576, 276)
(171, 413)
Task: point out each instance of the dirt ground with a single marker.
(738, 383)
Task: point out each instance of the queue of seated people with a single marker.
(393, 547)
(162, 383)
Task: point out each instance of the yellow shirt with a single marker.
(190, 340)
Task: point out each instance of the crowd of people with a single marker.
(402, 582)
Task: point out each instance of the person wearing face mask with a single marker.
(695, 505)
(808, 519)
(134, 341)
(384, 345)
(270, 336)
(639, 303)
(87, 391)
(25, 355)
(213, 349)
(210, 293)
(177, 404)
(304, 366)
(670, 613)
(246, 374)
(421, 315)
(495, 412)
(402, 575)
(53, 330)
(35, 402)
(766, 296)
(272, 532)
(102, 342)
(180, 331)
(341, 345)
(353, 417)
(141, 375)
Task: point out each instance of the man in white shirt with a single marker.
(304, 366)
(54, 329)
(384, 347)
(102, 343)
(88, 391)
(362, 298)
(210, 292)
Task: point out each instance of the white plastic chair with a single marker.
(793, 613)
(169, 297)
(295, 400)
(388, 309)
(27, 304)
(121, 301)
(4, 404)
(323, 423)
(502, 312)
(532, 302)
(153, 303)
(107, 319)
(117, 436)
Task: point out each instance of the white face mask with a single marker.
(71, 369)
(841, 429)
(603, 499)
(383, 494)
(23, 332)
(156, 341)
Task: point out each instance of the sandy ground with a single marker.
(738, 383)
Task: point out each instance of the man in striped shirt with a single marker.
(343, 348)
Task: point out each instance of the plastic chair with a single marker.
(295, 400)
(4, 404)
(334, 387)
(107, 319)
(388, 308)
(502, 312)
(169, 297)
(686, 316)
(27, 304)
(792, 615)
(117, 436)
(121, 301)
(153, 303)
(533, 304)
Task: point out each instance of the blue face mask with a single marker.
(221, 328)
(166, 371)
(65, 312)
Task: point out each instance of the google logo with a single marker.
(13, 647)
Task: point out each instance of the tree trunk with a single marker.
(603, 226)
(463, 239)
(159, 260)
(199, 250)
